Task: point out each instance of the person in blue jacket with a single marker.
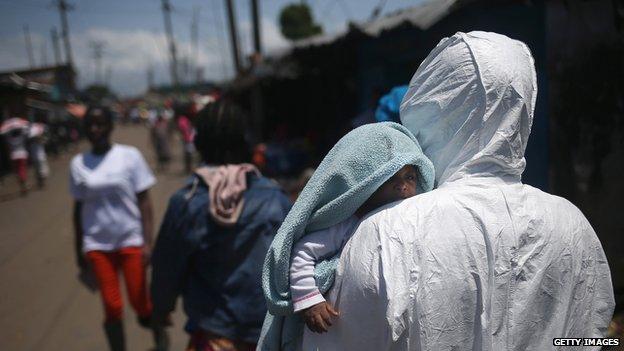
(390, 104)
(214, 237)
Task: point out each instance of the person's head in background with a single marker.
(98, 125)
(222, 134)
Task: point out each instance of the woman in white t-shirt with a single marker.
(113, 223)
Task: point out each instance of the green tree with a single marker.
(97, 93)
(296, 22)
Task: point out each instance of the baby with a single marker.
(370, 166)
(326, 243)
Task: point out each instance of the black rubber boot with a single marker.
(161, 339)
(115, 336)
(159, 332)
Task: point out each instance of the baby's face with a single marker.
(402, 185)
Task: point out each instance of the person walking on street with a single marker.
(160, 139)
(113, 223)
(213, 239)
(36, 140)
(186, 132)
(15, 132)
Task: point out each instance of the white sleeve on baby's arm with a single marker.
(306, 253)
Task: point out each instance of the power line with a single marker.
(213, 17)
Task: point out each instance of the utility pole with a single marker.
(194, 43)
(108, 75)
(98, 49)
(44, 54)
(166, 7)
(234, 36)
(55, 46)
(219, 34)
(150, 77)
(29, 49)
(183, 70)
(255, 16)
(63, 7)
(256, 92)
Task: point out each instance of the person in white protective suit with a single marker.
(483, 262)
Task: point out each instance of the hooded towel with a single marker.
(351, 172)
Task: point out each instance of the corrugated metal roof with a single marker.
(422, 16)
(17, 81)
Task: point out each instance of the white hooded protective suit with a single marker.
(483, 262)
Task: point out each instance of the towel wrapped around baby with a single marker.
(351, 172)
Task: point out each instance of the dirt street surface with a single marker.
(43, 306)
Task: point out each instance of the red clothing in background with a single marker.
(105, 265)
(186, 129)
(21, 168)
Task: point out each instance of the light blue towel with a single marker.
(351, 172)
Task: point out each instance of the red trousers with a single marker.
(105, 266)
(21, 169)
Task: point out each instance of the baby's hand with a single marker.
(319, 317)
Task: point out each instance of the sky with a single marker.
(132, 33)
